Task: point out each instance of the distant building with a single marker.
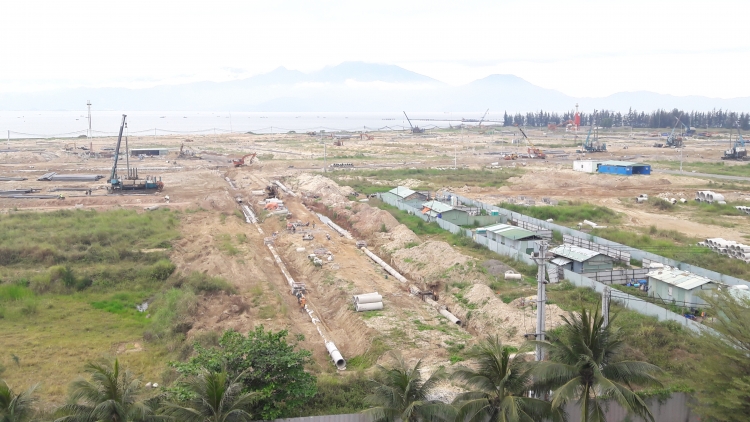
(682, 287)
(581, 260)
(625, 168)
(586, 166)
(511, 236)
(406, 195)
(149, 152)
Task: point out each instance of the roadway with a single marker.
(694, 174)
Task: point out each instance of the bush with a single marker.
(172, 312)
(204, 283)
(161, 270)
(11, 292)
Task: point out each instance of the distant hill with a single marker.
(354, 86)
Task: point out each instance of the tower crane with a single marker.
(533, 151)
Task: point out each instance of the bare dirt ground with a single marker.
(210, 222)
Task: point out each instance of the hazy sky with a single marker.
(582, 48)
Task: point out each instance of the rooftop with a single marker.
(437, 206)
(575, 253)
(507, 231)
(679, 278)
(401, 191)
(623, 163)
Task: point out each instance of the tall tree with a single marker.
(215, 398)
(723, 374)
(16, 407)
(401, 394)
(584, 366)
(496, 386)
(265, 363)
(112, 395)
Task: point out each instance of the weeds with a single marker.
(567, 212)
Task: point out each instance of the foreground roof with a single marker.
(679, 278)
(437, 206)
(507, 231)
(401, 191)
(575, 253)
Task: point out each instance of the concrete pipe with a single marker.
(513, 276)
(452, 318)
(356, 297)
(717, 197)
(336, 356)
(385, 266)
(369, 298)
(361, 307)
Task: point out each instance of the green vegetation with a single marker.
(485, 178)
(567, 212)
(719, 167)
(675, 245)
(339, 394)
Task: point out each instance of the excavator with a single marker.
(363, 136)
(533, 151)
(187, 153)
(414, 129)
(674, 140)
(241, 161)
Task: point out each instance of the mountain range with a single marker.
(354, 86)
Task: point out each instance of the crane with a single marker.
(672, 140)
(414, 129)
(738, 150)
(241, 161)
(533, 151)
(116, 183)
(593, 145)
(113, 180)
(482, 119)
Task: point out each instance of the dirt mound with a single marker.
(495, 267)
(368, 220)
(428, 260)
(322, 186)
(399, 237)
(492, 316)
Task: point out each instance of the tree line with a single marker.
(656, 119)
(261, 376)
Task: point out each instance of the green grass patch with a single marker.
(11, 292)
(719, 167)
(567, 212)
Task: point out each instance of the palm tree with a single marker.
(584, 367)
(497, 386)
(215, 400)
(16, 407)
(111, 396)
(400, 393)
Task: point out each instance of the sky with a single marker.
(581, 48)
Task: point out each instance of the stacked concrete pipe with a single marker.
(368, 302)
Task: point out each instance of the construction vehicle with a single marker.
(737, 151)
(593, 144)
(241, 161)
(363, 136)
(131, 183)
(674, 140)
(533, 151)
(187, 153)
(414, 129)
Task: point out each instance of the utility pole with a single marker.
(8, 139)
(541, 298)
(606, 298)
(88, 103)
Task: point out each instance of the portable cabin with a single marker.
(581, 260)
(682, 287)
(624, 168)
(511, 236)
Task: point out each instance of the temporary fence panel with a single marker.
(618, 276)
(636, 254)
(633, 302)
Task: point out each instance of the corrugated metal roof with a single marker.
(680, 278)
(509, 232)
(560, 261)
(575, 253)
(622, 163)
(437, 206)
(401, 191)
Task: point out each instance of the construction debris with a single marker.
(11, 179)
(54, 177)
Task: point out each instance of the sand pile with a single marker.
(428, 260)
(329, 191)
(399, 237)
(368, 220)
(492, 316)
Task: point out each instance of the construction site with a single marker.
(330, 255)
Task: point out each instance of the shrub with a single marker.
(204, 283)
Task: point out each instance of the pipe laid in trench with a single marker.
(413, 289)
(284, 188)
(334, 226)
(333, 351)
(385, 266)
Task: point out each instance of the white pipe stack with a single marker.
(729, 248)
